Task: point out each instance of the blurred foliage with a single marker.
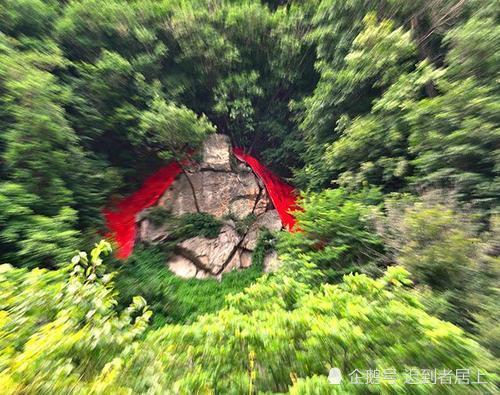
(195, 224)
(173, 299)
(385, 100)
(266, 242)
(96, 94)
(242, 225)
(284, 327)
(449, 257)
(406, 103)
(61, 332)
(184, 226)
(335, 233)
(157, 215)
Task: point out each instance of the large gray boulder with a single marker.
(221, 194)
(220, 186)
(182, 267)
(211, 255)
(216, 153)
(150, 233)
(226, 188)
(178, 198)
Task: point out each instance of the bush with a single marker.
(158, 215)
(280, 334)
(442, 247)
(183, 227)
(243, 225)
(61, 332)
(265, 243)
(335, 231)
(197, 224)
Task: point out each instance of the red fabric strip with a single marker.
(282, 194)
(121, 221)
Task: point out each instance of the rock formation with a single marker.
(227, 189)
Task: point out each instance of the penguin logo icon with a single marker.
(335, 376)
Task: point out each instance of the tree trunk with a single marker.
(192, 188)
(423, 53)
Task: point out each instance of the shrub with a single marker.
(196, 224)
(280, 334)
(335, 231)
(243, 225)
(265, 243)
(158, 215)
(62, 333)
(441, 246)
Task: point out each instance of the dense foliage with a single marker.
(336, 231)
(95, 94)
(398, 106)
(184, 226)
(173, 299)
(449, 257)
(275, 336)
(384, 113)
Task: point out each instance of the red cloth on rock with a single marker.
(121, 221)
(282, 194)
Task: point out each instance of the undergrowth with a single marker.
(265, 243)
(185, 226)
(173, 299)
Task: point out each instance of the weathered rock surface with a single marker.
(263, 203)
(234, 263)
(202, 274)
(179, 199)
(182, 267)
(218, 193)
(271, 262)
(226, 188)
(150, 233)
(211, 255)
(245, 258)
(269, 220)
(216, 153)
(221, 193)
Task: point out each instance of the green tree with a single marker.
(171, 131)
(279, 333)
(60, 331)
(455, 136)
(235, 99)
(443, 247)
(37, 155)
(379, 54)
